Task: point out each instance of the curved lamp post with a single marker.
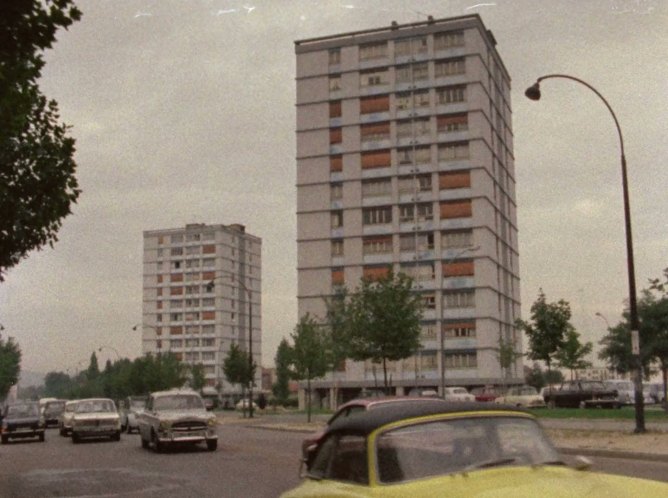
(209, 286)
(533, 93)
(104, 346)
(142, 325)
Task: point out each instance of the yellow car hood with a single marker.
(506, 482)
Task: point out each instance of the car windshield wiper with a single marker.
(490, 463)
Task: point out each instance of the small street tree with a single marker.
(507, 355)
(310, 354)
(197, 378)
(382, 321)
(572, 353)
(547, 329)
(10, 365)
(237, 371)
(282, 360)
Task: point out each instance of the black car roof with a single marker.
(370, 420)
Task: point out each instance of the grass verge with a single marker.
(624, 413)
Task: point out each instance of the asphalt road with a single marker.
(249, 462)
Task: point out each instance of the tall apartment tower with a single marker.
(197, 284)
(405, 162)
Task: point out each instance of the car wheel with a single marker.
(75, 438)
(116, 437)
(144, 442)
(41, 437)
(5, 439)
(212, 444)
(157, 445)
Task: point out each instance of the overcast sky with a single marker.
(184, 111)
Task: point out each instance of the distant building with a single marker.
(405, 163)
(195, 301)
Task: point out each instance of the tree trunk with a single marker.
(664, 372)
(308, 399)
(387, 392)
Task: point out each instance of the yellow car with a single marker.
(458, 450)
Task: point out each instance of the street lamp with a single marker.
(533, 93)
(449, 260)
(118, 356)
(601, 316)
(158, 344)
(209, 286)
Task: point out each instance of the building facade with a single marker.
(405, 162)
(199, 283)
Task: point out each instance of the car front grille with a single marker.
(188, 426)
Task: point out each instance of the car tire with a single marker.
(5, 439)
(41, 437)
(75, 438)
(61, 431)
(144, 442)
(116, 437)
(212, 444)
(157, 445)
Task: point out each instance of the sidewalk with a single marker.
(604, 438)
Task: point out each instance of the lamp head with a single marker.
(533, 92)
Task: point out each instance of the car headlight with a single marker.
(164, 425)
(212, 421)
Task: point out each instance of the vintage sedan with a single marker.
(177, 417)
(21, 420)
(130, 410)
(582, 394)
(65, 419)
(95, 418)
(523, 396)
(462, 449)
(457, 394)
(52, 411)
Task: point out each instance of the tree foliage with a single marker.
(310, 355)
(381, 321)
(236, 367)
(282, 360)
(37, 182)
(10, 365)
(550, 322)
(197, 378)
(572, 353)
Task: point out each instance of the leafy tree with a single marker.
(336, 318)
(282, 360)
(572, 353)
(311, 354)
(547, 329)
(197, 378)
(10, 365)
(507, 354)
(382, 321)
(535, 377)
(93, 370)
(37, 182)
(57, 385)
(235, 366)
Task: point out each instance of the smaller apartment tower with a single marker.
(405, 163)
(197, 284)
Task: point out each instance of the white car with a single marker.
(177, 417)
(243, 405)
(524, 396)
(457, 394)
(95, 418)
(65, 419)
(626, 391)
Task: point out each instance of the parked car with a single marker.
(457, 394)
(52, 411)
(582, 394)
(95, 418)
(626, 392)
(65, 419)
(485, 393)
(21, 420)
(524, 396)
(656, 391)
(177, 417)
(458, 449)
(130, 410)
(243, 405)
(362, 405)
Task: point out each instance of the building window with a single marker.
(337, 248)
(334, 57)
(192, 289)
(419, 155)
(412, 72)
(176, 239)
(208, 342)
(410, 46)
(377, 245)
(190, 250)
(424, 241)
(176, 343)
(193, 263)
(337, 219)
(459, 299)
(209, 236)
(373, 78)
(419, 272)
(192, 343)
(334, 83)
(454, 179)
(176, 303)
(450, 94)
(335, 136)
(377, 216)
(425, 212)
(338, 277)
(452, 122)
(376, 159)
(335, 163)
(375, 132)
(176, 251)
(459, 330)
(208, 355)
(408, 100)
(376, 103)
(453, 151)
(448, 40)
(375, 272)
(429, 301)
(450, 67)
(372, 51)
(335, 109)
(428, 331)
(459, 268)
(208, 329)
(456, 239)
(376, 188)
(461, 360)
(193, 237)
(336, 191)
(456, 209)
